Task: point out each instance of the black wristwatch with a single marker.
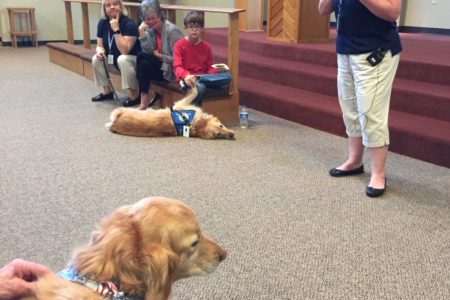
(117, 31)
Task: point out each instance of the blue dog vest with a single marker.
(181, 118)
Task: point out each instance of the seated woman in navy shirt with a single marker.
(117, 44)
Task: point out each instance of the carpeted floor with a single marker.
(292, 232)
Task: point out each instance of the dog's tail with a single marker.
(115, 114)
(187, 100)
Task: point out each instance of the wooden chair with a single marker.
(30, 29)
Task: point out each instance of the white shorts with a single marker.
(364, 96)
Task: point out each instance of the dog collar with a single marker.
(182, 118)
(106, 289)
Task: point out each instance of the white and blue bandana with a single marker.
(106, 289)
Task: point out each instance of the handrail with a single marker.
(233, 29)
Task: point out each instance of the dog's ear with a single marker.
(162, 262)
(199, 126)
(115, 253)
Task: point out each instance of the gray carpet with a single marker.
(292, 232)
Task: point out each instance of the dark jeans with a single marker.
(148, 67)
(213, 81)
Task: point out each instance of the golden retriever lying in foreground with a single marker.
(159, 122)
(136, 253)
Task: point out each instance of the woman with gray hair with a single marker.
(117, 44)
(157, 37)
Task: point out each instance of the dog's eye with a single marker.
(195, 243)
(221, 126)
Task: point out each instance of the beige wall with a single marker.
(50, 18)
(51, 22)
(211, 19)
(426, 13)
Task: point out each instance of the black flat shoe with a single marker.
(340, 173)
(373, 192)
(156, 98)
(101, 97)
(131, 102)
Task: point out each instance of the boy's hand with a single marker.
(190, 80)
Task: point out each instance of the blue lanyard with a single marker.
(111, 39)
(339, 15)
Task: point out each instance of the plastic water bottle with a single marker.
(243, 117)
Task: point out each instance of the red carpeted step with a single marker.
(427, 61)
(420, 137)
(311, 77)
(298, 82)
(422, 98)
(308, 108)
(255, 42)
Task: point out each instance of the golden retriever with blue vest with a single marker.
(182, 119)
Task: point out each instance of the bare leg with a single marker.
(355, 154)
(133, 94)
(378, 158)
(145, 99)
(106, 90)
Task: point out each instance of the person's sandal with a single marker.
(156, 98)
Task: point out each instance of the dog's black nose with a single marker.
(231, 135)
(222, 254)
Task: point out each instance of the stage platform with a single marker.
(298, 82)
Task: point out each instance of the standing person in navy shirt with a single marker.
(117, 44)
(368, 47)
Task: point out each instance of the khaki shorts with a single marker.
(364, 96)
(127, 65)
